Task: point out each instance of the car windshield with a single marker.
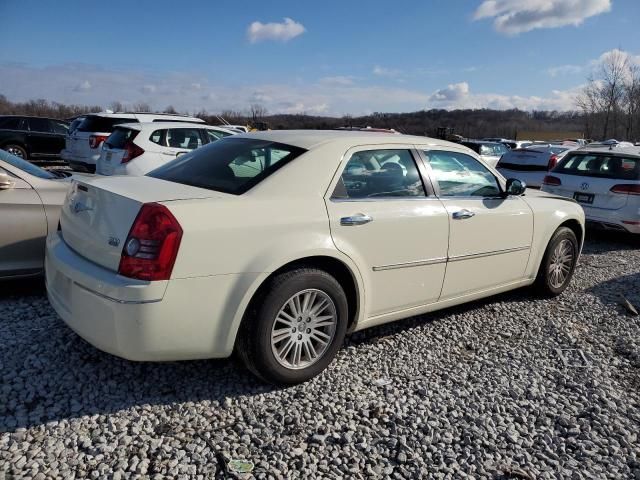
(229, 165)
(25, 166)
(600, 165)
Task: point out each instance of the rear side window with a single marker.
(102, 124)
(120, 137)
(11, 123)
(380, 174)
(59, 127)
(187, 138)
(39, 125)
(599, 165)
(158, 137)
(231, 165)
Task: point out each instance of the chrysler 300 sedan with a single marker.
(276, 244)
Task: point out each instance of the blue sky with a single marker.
(331, 57)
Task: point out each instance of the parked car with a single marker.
(276, 244)
(490, 152)
(30, 200)
(32, 137)
(511, 144)
(530, 165)
(605, 180)
(84, 144)
(138, 148)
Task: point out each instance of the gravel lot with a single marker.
(510, 387)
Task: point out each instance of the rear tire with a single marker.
(16, 150)
(558, 263)
(299, 313)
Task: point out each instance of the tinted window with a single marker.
(39, 125)
(120, 137)
(187, 138)
(11, 123)
(459, 175)
(158, 137)
(598, 165)
(102, 124)
(231, 165)
(59, 127)
(216, 134)
(25, 166)
(473, 146)
(379, 174)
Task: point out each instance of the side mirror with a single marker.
(515, 187)
(5, 181)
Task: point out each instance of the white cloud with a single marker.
(283, 32)
(82, 87)
(339, 80)
(562, 70)
(512, 17)
(452, 93)
(385, 72)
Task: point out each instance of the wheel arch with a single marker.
(345, 273)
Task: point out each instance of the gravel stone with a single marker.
(512, 386)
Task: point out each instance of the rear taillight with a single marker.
(96, 140)
(551, 180)
(131, 151)
(629, 189)
(152, 245)
(553, 161)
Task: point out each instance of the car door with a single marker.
(23, 228)
(389, 222)
(489, 235)
(41, 138)
(58, 138)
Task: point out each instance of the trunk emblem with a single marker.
(81, 207)
(114, 241)
(584, 186)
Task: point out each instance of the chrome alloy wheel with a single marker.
(15, 151)
(303, 329)
(561, 263)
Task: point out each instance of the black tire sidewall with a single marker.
(544, 285)
(264, 362)
(19, 147)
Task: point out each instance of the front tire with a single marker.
(16, 150)
(558, 263)
(295, 327)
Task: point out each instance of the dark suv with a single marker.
(32, 137)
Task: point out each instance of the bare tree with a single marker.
(141, 107)
(257, 111)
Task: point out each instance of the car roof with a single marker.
(309, 139)
(481, 142)
(627, 151)
(163, 125)
(142, 114)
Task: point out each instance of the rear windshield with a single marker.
(230, 165)
(120, 137)
(600, 165)
(102, 124)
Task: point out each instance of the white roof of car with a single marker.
(164, 125)
(624, 150)
(309, 139)
(145, 115)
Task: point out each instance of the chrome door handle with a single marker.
(357, 219)
(462, 214)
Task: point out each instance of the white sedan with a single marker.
(276, 244)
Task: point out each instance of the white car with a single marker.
(276, 244)
(605, 180)
(531, 164)
(82, 146)
(138, 148)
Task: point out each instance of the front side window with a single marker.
(230, 165)
(187, 138)
(459, 175)
(39, 125)
(599, 165)
(380, 174)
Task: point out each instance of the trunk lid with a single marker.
(98, 213)
(591, 191)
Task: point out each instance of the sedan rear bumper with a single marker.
(180, 319)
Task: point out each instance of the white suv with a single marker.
(605, 180)
(138, 148)
(83, 144)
